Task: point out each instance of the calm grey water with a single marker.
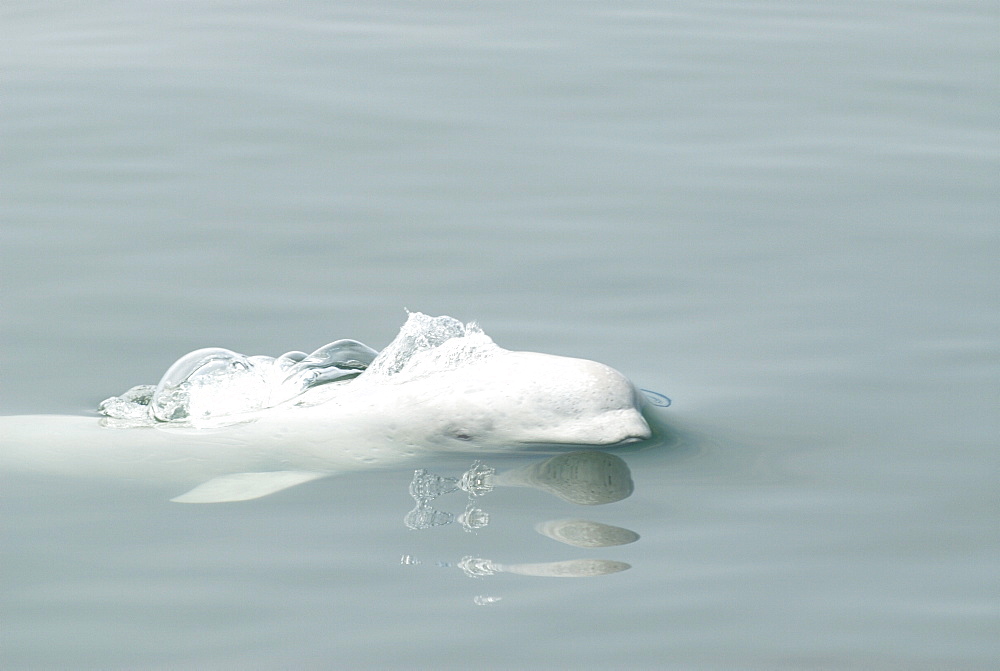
(783, 215)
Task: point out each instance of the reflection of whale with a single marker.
(586, 534)
(585, 478)
(459, 392)
(572, 568)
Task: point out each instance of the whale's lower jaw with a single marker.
(629, 440)
(637, 437)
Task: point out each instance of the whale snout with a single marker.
(636, 428)
(526, 398)
(616, 427)
(582, 402)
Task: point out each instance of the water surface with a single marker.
(782, 215)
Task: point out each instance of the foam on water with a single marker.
(215, 386)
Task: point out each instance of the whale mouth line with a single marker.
(628, 440)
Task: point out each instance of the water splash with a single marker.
(339, 361)
(431, 344)
(216, 386)
(208, 383)
(133, 405)
(213, 385)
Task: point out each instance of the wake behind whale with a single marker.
(232, 427)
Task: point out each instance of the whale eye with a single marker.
(471, 430)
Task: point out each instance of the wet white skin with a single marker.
(506, 401)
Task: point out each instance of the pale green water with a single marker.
(783, 215)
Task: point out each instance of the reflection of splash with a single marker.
(425, 487)
(478, 480)
(473, 518)
(425, 517)
(482, 600)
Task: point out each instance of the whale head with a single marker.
(520, 399)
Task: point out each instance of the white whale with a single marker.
(462, 394)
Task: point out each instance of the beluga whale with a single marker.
(224, 427)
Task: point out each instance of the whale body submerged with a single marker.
(439, 386)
